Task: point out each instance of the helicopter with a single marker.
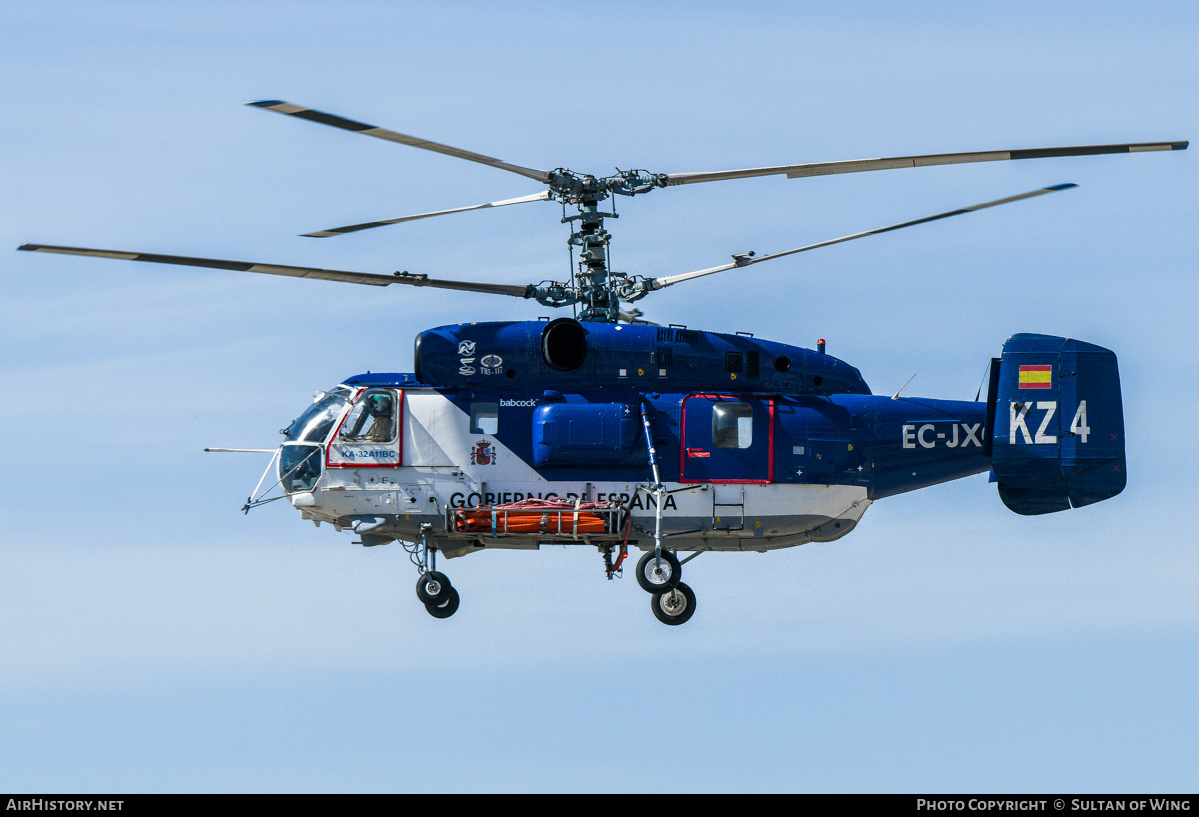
(607, 431)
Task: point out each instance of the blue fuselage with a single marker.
(568, 399)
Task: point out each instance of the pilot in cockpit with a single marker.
(379, 407)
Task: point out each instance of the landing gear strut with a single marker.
(659, 571)
(432, 588)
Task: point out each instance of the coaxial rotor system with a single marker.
(596, 290)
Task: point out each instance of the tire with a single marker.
(443, 587)
(446, 608)
(674, 607)
(671, 572)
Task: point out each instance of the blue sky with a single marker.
(152, 638)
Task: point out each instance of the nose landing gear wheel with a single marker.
(433, 588)
(446, 607)
(675, 606)
(658, 578)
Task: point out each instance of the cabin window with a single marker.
(732, 425)
(484, 418)
(733, 362)
(372, 420)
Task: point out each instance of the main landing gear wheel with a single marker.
(446, 607)
(674, 606)
(658, 578)
(433, 588)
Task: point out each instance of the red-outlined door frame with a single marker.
(398, 401)
(685, 453)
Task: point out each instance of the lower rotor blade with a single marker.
(634, 316)
(344, 276)
(745, 260)
(542, 196)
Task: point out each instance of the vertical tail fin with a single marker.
(1057, 437)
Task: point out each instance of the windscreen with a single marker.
(314, 425)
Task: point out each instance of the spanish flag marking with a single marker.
(1036, 377)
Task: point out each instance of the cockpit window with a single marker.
(373, 419)
(314, 425)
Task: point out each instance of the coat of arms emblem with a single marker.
(482, 453)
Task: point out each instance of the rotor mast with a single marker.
(592, 278)
(595, 287)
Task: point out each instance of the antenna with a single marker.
(901, 388)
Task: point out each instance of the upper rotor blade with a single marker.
(279, 106)
(542, 196)
(862, 165)
(745, 261)
(368, 278)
